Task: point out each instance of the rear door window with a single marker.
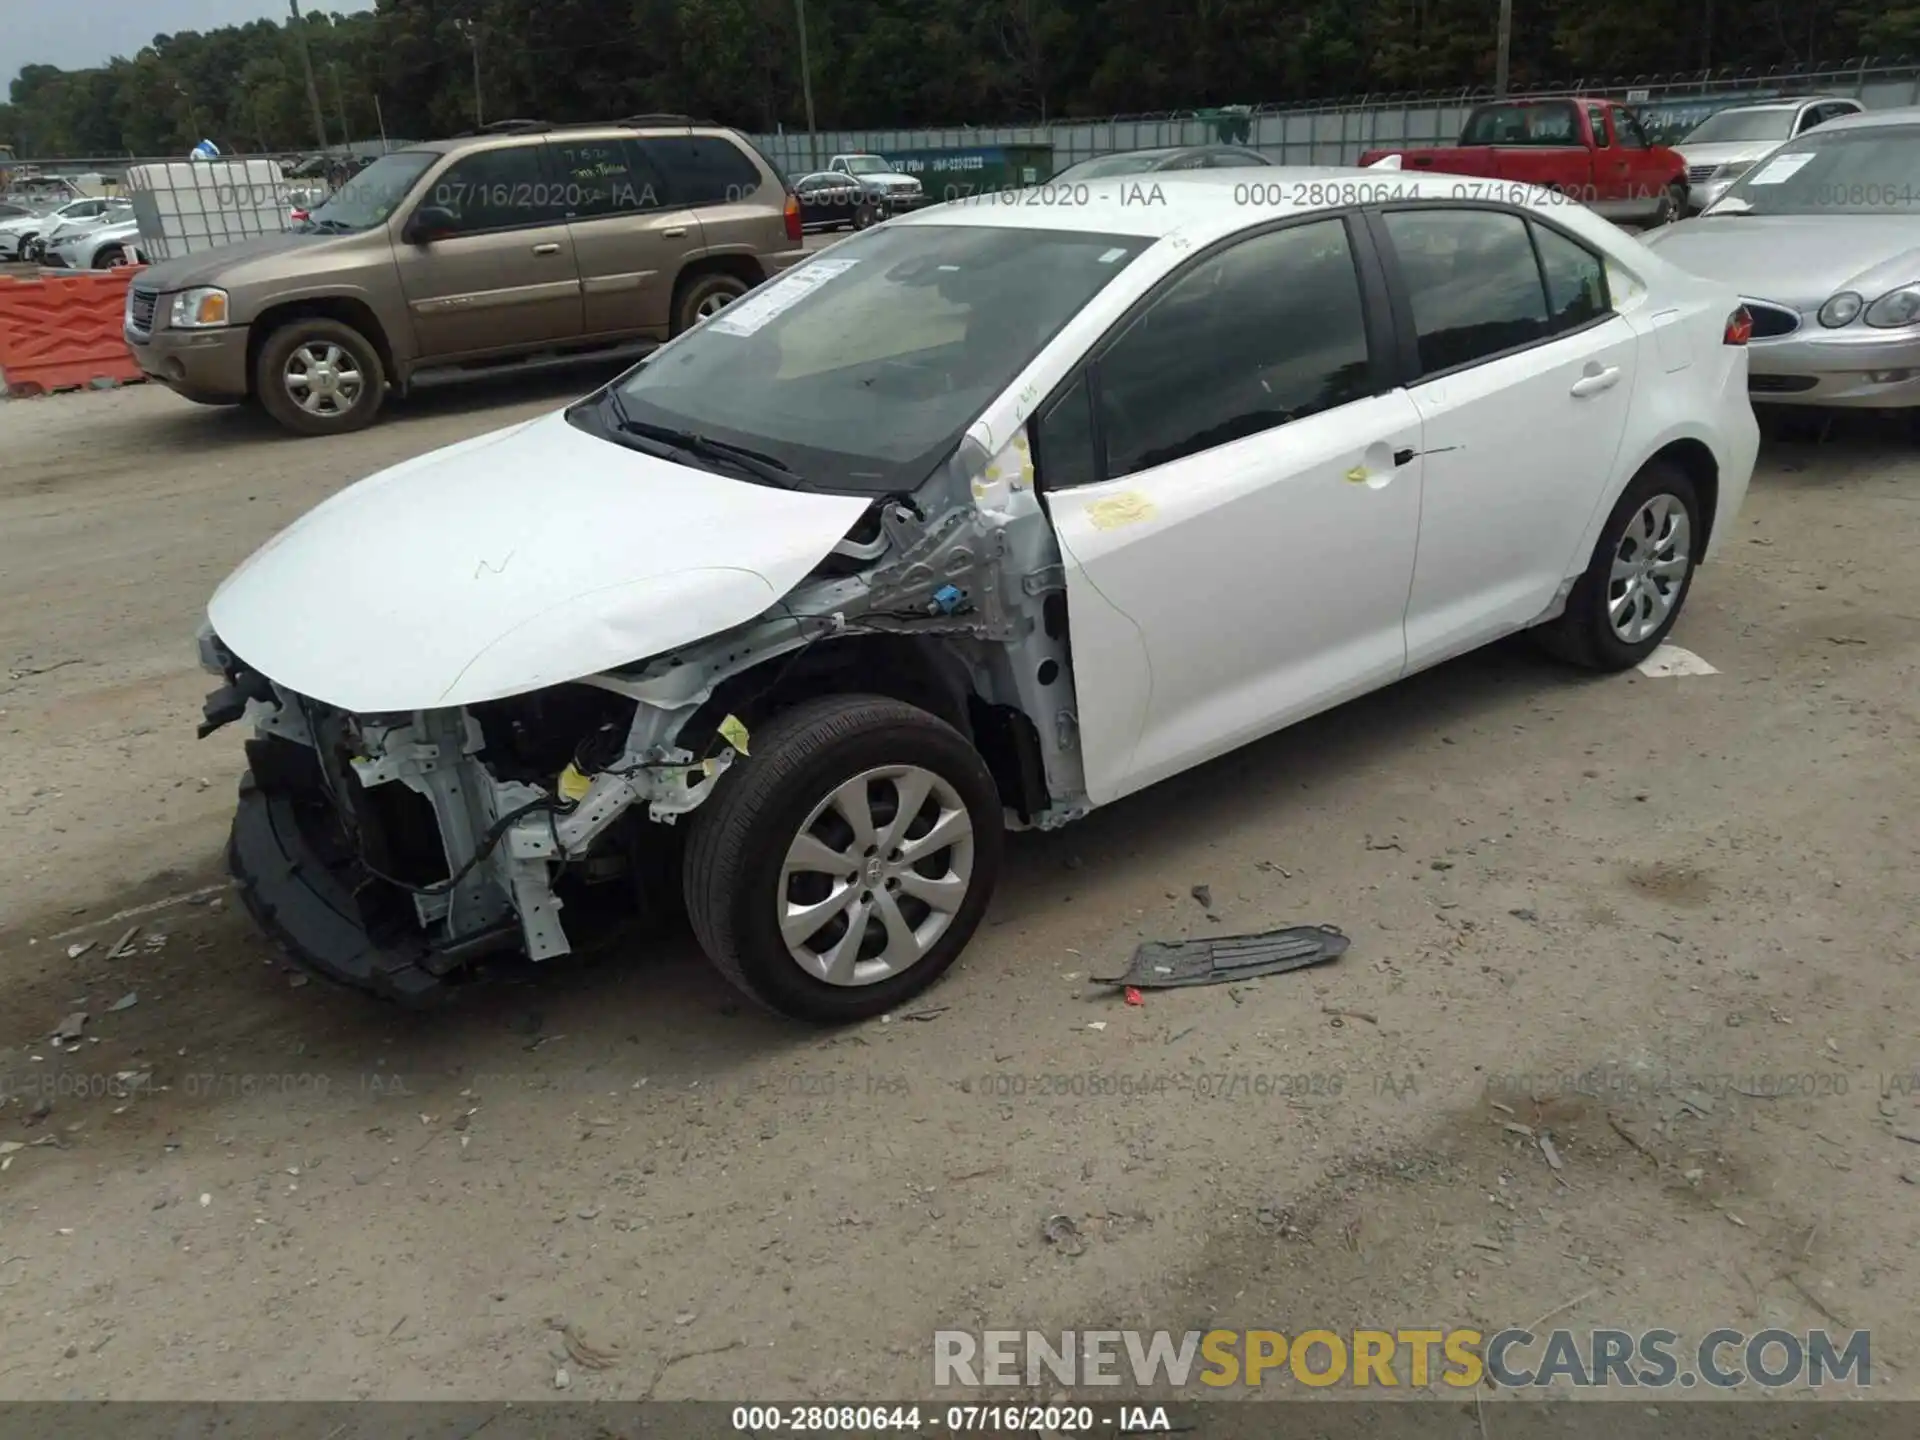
(1472, 281)
(605, 177)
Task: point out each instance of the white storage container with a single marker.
(186, 206)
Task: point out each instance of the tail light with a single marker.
(299, 216)
(791, 214)
(1739, 327)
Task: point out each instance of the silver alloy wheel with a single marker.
(1649, 567)
(876, 875)
(323, 379)
(712, 305)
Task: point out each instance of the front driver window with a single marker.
(1267, 331)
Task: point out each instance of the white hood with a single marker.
(514, 561)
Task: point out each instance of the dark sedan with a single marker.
(832, 201)
(1170, 157)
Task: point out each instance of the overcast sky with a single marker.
(76, 34)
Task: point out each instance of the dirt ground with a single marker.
(1668, 922)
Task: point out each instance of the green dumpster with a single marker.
(952, 174)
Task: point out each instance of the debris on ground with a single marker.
(1060, 1232)
(1273, 869)
(1390, 843)
(1204, 894)
(1339, 1013)
(79, 948)
(1553, 1155)
(930, 1013)
(125, 1002)
(582, 1351)
(124, 944)
(39, 1112)
(1134, 997)
(68, 1031)
(1159, 965)
(1523, 913)
(561, 1379)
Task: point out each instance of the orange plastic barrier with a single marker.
(62, 332)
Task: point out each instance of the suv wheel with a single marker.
(844, 866)
(320, 377)
(705, 296)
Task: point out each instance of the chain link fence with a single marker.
(1335, 132)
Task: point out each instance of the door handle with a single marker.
(550, 248)
(674, 234)
(1594, 381)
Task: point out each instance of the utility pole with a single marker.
(339, 103)
(472, 32)
(299, 28)
(381, 121)
(1506, 45)
(806, 86)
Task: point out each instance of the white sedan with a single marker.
(979, 520)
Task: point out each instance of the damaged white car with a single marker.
(976, 521)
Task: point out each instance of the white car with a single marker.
(981, 519)
(20, 223)
(99, 247)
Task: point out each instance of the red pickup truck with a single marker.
(1592, 150)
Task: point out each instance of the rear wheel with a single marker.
(320, 377)
(1641, 571)
(705, 296)
(842, 867)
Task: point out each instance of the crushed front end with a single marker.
(387, 852)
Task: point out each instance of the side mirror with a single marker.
(430, 223)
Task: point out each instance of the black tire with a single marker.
(110, 258)
(270, 366)
(1673, 205)
(866, 217)
(738, 840)
(1583, 635)
(703, 290)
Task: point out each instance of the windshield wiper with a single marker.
(688, 442)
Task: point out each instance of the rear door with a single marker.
(1236, 487)
(629, 237)
(502, 276)
(1524, 375)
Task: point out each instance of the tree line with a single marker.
(409, 65)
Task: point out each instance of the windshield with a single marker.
(1135, 163)
(1833, 172)
(860, 369)
(371, 196)
(1732, 126)
(1544, 122)
(867, 165)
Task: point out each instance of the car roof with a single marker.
(1874, 119)
(1207, 204)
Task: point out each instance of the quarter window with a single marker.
(1268, 331)
(1472, 281)
(1576, 280)
(497, 190)
(702, 169)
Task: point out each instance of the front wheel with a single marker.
(842, 867)
(1641, 571)
(320, 377)
(1673, 205)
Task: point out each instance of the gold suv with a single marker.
(521, 245)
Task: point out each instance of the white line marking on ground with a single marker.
(149, 908)
(1672, 660)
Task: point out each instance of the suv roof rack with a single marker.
(506, 127)
(661, 120)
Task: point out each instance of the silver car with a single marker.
(105, 247)
(1727, 144)
(1822, 239)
